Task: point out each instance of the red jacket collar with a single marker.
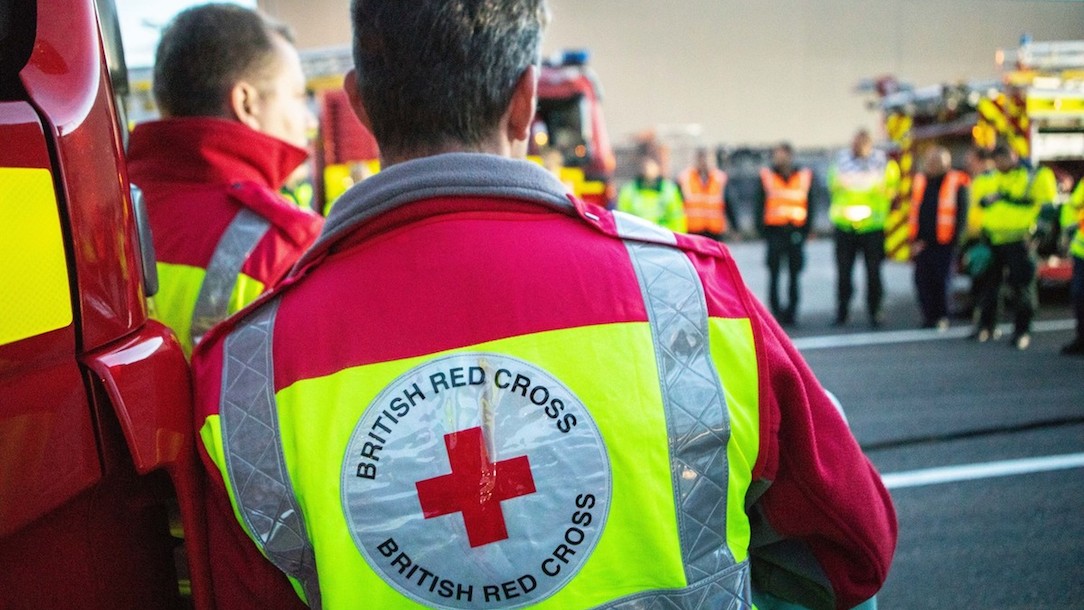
(209, 150)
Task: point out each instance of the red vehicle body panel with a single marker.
(1055, 271)
(44, 414)
(95, 418)
(68, 81)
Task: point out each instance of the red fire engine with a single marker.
(1037, 108)
(569, 121)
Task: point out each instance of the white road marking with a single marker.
(972, 472)
(915, 336)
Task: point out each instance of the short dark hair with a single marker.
(438, 72)
(981, 153)
(205, 50)
(785, 147)
(1002, 150)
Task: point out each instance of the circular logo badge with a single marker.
(476, 481)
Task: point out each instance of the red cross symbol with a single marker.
(475, 487)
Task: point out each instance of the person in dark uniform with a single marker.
(782, 211)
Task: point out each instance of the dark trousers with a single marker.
(785, 244)
(872, 247)
(1076, 293)
(1013, 265)
(933, 270)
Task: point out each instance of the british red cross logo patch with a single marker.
(475, 487)
(476, 481)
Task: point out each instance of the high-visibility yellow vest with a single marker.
(1021, 193)
(662, 207)
(786, 202)
(1076, 202)
(862, 192)
(946, 204)
(191, 299)
(982, 186)
(591, 500)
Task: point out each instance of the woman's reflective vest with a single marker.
(946, 204)
(862, 191)
(786, 201)
(704, 200)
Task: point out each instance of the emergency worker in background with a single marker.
(782, 206)
(554, 162)
(939, 201)
(514, 396)
(862, 183)
(703, 189)
(1076, 288)
(298, 188)
(652, 196)
(1007, 219)
(976, 256)
(231, 92)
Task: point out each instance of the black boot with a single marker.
(1073, 348)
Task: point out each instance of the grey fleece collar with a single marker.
(447, 175)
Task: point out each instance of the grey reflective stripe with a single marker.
(233, 249)
(698, 426)
(253, 452)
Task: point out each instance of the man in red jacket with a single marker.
(518, 397)
(229, 85)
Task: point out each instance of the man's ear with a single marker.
(350, 85)
(244, 104)
(521, 109)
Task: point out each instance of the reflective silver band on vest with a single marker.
(253, 452)
(212, 305)
(697, 420)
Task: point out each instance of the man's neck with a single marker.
(492, 146)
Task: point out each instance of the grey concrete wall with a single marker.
(752, 72)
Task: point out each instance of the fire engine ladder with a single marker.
(1046, 56)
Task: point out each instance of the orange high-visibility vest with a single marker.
(946, 204)
(704, 200)
(786, 202)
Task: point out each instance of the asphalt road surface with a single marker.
(981, 445)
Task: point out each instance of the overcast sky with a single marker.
(140, 22)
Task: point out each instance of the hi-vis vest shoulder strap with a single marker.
(694, 405)
(695, 409)
(234, 247)
(786, 202)
(254, 455)
(946, 204)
